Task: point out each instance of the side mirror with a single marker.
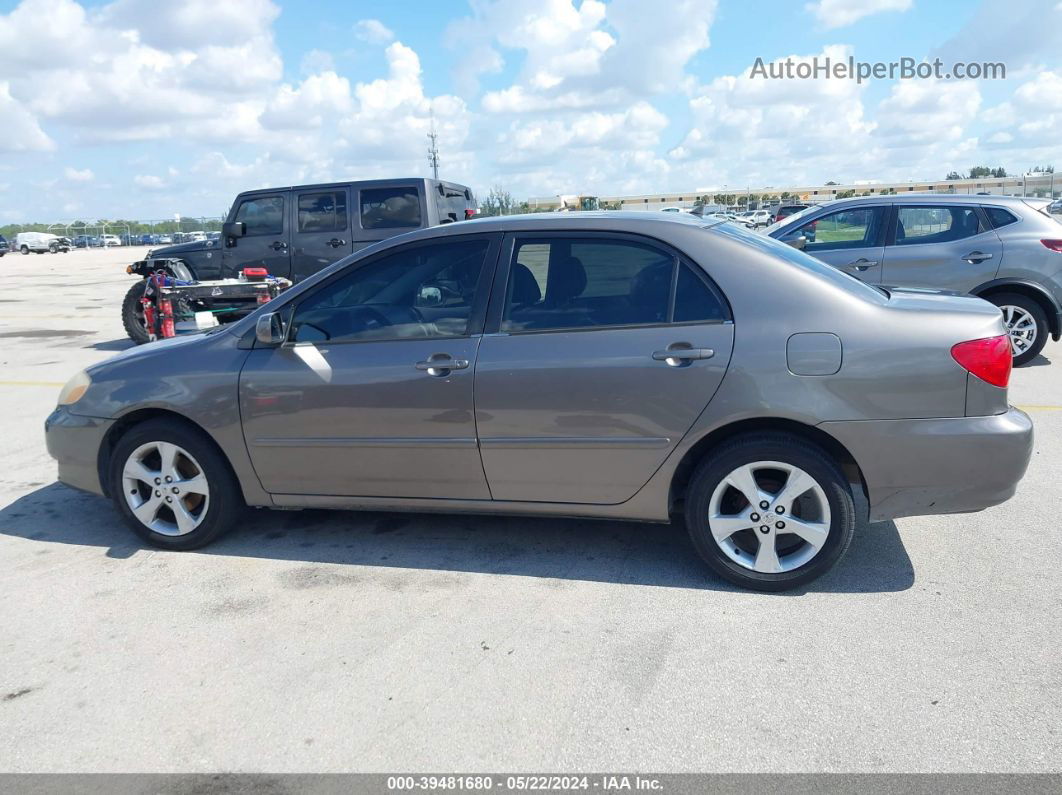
(233, 230)
(270, 329)
(429, 296)
(796, 240)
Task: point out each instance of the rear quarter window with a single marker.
(1000, 217)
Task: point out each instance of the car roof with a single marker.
(929, 198)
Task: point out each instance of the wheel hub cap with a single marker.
(784, 535)
(165, 488)
(1021, 328)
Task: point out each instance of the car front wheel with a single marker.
(1026, 324)
(172, 485)
(770, 512)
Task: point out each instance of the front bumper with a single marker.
(932, 466)
(74, 441)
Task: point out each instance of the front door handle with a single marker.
(336, 242)
(677, 356)
(278, 245)
(862, 264)
(976, 256)
(440, 364)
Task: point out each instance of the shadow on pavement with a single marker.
(574, 549)
(113, 345)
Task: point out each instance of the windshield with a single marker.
(799, 259)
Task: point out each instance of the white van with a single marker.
(37, 242)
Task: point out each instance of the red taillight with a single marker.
(1054, 245)
(469, 213)
(989, 359)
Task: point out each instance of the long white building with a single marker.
(1023, 185)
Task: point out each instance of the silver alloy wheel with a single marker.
(769, 516)
(165, 488)
(1021, 327)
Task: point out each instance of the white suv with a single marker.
(110, 240)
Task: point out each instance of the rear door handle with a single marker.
(677, 357)
(441, 365)
(976, 256)
(278, 245)
(335, 242)
(862, 264)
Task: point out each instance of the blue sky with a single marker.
(139, 109)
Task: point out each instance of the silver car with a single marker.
(1005, 249)
(634, 366)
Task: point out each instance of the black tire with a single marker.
(24, 250)
(133, 313)
(1038, 314)
(224, 505)
(774, 447)
(53, 249)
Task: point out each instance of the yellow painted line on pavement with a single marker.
(32, 383)
(1040, 408)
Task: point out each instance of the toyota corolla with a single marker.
(613, 365)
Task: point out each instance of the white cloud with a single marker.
(149, 181)
(840, 13)
(19, 129)
(373, 31)
(74, 175)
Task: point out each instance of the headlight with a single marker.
(75, 389)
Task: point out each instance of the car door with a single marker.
(602, 351)
(851, 239)
(371, 394)
(266, 241)
(322, 229)
(942, 246)
(386, 211)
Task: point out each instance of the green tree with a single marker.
(498, 202)
(953, 175)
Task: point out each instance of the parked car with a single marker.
(786, 210)
(37, 242)
(757, 218)
(295, 231)
(110, 240)
(354, 389)
(60, 244)
(165, 240)
(1005, 249)
(3, 245)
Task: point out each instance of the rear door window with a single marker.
(390, 208)
(323, 212)
(567, 283)
(928, 224)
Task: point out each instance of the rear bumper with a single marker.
(74, 442)
(931, 466)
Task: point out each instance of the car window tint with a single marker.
(415, 293)
(922, 225)
(323, 212)
(262, 215)
(856, 227)
(999, 217)
(390, 208)
(587, 283)
(695, 300)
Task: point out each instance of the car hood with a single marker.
(163, 347)
(183, 248)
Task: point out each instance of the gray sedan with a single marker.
(631, 366)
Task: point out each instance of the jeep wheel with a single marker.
(133, 313)
(24, 249)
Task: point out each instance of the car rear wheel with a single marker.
(133, 313)
(1026, 324)
(770, 512)
(24, 249)
(172, 486)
